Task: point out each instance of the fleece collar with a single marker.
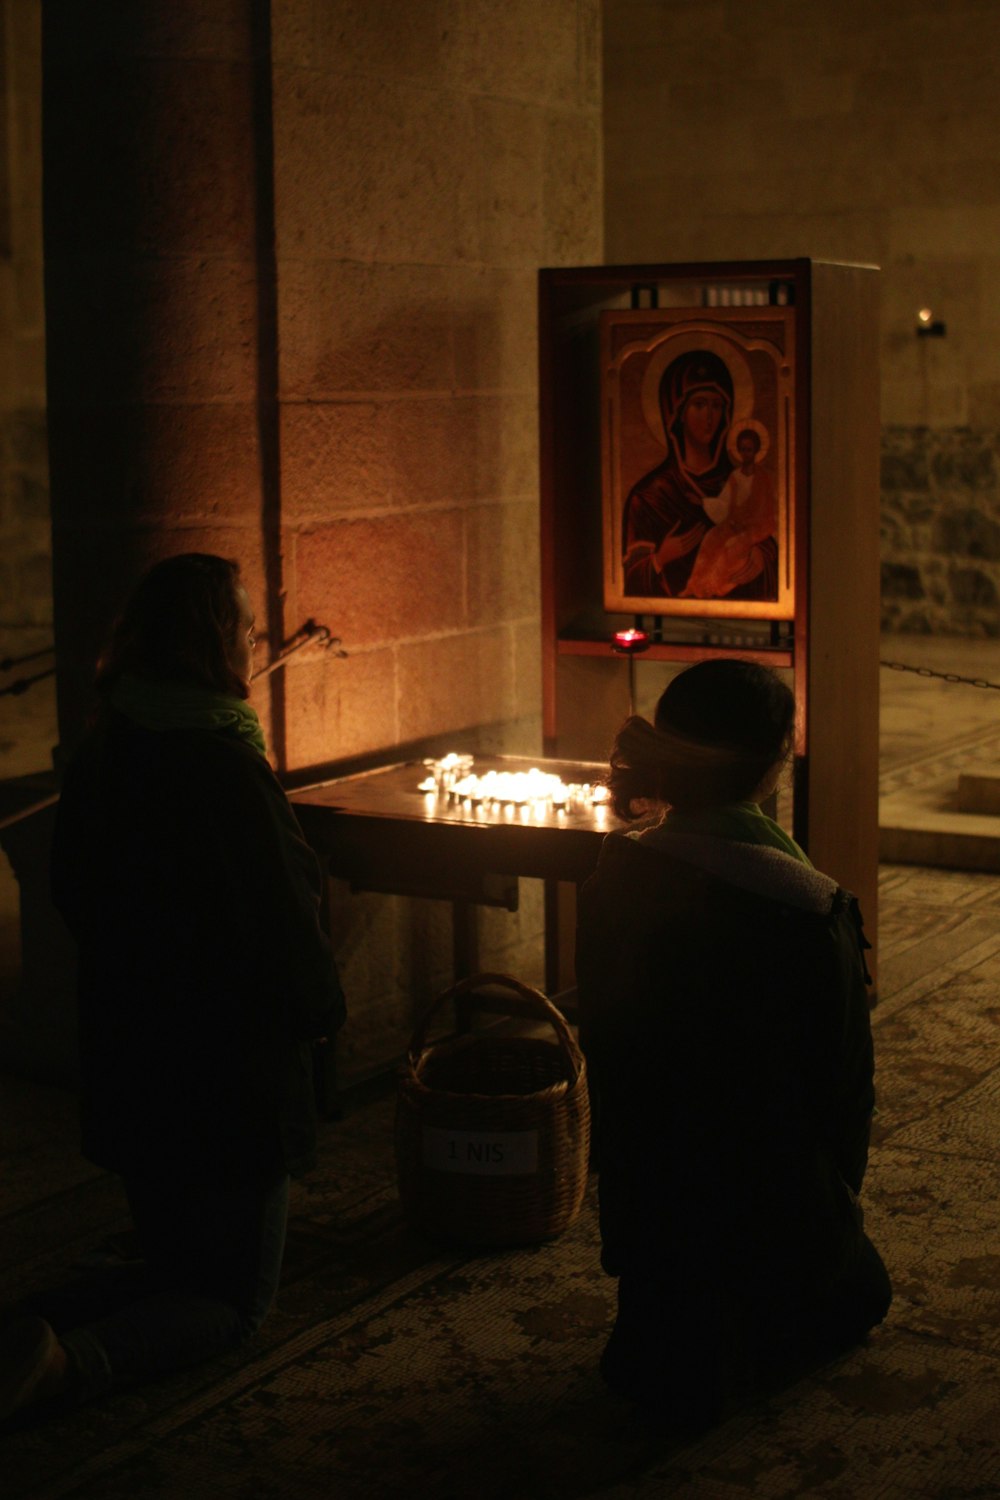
(758, 868)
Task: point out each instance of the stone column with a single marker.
(161, 360)
(160, 305)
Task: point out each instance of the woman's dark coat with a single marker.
(204, 974)
(725, 1022)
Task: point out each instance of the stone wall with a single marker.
(291, 259)
(25, 558)
(429, 157)
(941, 530)
(841, 132)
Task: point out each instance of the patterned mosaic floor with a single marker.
(931, 730)
(390, 1369)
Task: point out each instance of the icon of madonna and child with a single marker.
(698, 531)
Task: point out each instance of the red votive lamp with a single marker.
(628, 642)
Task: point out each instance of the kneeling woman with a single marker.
(725, 1021)
(204, 978)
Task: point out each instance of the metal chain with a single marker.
(902, 666)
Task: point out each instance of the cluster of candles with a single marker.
(454, 778)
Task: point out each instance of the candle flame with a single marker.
(536, 790)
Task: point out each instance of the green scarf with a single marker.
(184, 705)
(742, 821)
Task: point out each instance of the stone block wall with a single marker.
(841, 132)
(157, 319)
(25, 552)
(429, 158)
(430, 155)
(941, 530)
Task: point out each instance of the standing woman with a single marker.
(204, 978)
(725, 1020)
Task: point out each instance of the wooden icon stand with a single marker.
(826, 630)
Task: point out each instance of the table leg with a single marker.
(328, 1102)
(560, 936)
(464, 956)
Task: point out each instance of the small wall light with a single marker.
(929, 327)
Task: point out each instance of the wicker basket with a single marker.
(493, 1133)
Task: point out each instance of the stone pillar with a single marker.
(161, 365)
(160, 304)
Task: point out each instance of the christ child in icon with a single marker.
(745, 514)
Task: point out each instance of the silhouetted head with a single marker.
(187, 620)
(721, 732)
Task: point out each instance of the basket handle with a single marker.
(546, 1010)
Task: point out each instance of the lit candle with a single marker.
(629, 641)
(534, 791)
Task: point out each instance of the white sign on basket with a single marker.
(507, 1153)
